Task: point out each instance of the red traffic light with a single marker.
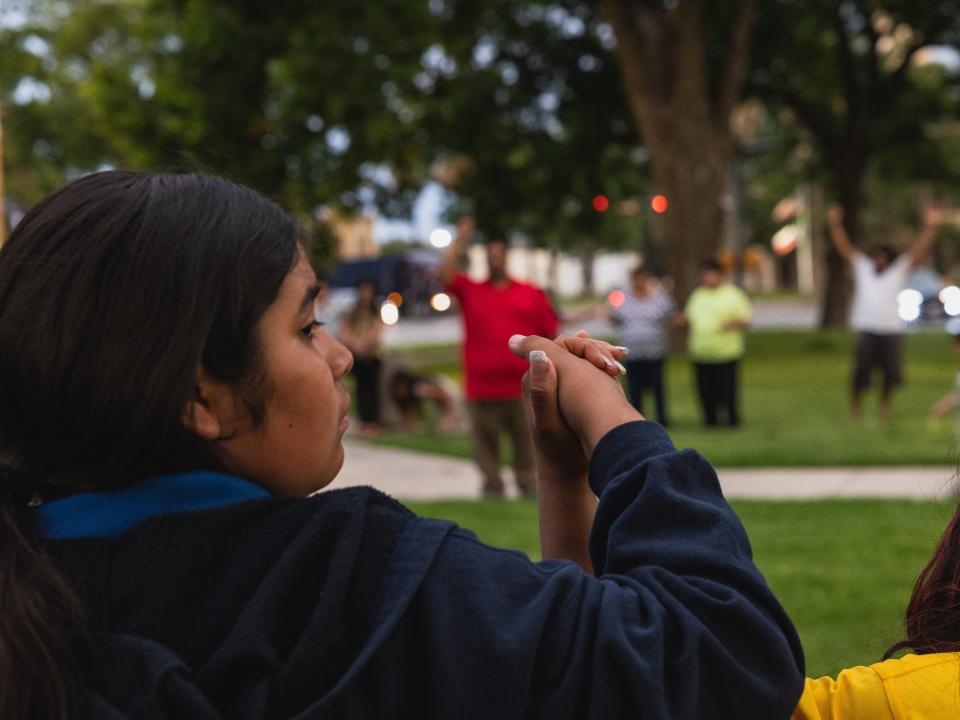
(601, 203)
(659, 204)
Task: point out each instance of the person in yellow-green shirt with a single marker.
(717, 314)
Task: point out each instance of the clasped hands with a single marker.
(572, 398)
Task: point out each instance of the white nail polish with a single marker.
(610, 363)
(515, 340)
(623, 349)
(537, 357)
(622, 368)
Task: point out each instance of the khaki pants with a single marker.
(489, 418)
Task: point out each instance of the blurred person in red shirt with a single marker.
(493, 310)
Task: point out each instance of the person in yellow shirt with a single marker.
(717, 313)
(923, 684)
(914, 686)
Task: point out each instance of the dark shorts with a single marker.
(877, 351)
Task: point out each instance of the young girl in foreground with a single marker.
(168, 401)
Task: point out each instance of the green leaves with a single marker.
(302, 100)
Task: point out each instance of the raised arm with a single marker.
(567, 505)
(838, 233)
(932, 219)
(678, 623)
(451, 258)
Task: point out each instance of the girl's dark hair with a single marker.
(932, 621)
(113, 292)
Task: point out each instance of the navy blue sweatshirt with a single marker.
(346, 605)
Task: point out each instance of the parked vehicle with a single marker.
(410, 280)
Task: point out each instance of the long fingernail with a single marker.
(609, 362)
(622, 368)
(515, 340)
(623, 349)
(538, 360)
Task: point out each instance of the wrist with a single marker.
(550, 473)
(599, 427)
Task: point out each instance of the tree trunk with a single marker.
(694, 181)
(848, 176)
(818, 242)
(836, 292)
(685, 126)
(553, 271)
(587, 256)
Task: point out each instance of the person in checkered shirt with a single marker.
(643, 322)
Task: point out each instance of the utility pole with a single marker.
(3, 190)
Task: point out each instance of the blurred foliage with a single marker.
(515, 107)
(335, 103)
(320, 244)
(857, 102)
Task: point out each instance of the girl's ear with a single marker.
(207, 412)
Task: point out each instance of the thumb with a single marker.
(542, 389)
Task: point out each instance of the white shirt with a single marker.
(875, 307)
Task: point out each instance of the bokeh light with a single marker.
(389, 313)
(950, 294)
(910, 298)
(440, 238)
(659, 204)
(440, 302)
(909, 302)
(396, 298)
(601, 203)
(616, 298)
(909, 313)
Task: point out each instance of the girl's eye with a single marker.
(307, 331)
(317, 321)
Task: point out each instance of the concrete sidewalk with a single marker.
(416, 476)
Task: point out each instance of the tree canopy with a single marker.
(524, 110)
(338, 103)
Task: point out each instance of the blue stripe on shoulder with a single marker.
(108, 514)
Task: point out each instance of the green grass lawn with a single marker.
(794, 404)
(844, 570)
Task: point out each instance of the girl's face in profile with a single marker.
(297, 449)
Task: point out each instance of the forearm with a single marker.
(680, 601)
(603, 420)
(451, 260)
(567, 507)
(662, 522)
(921, 247)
